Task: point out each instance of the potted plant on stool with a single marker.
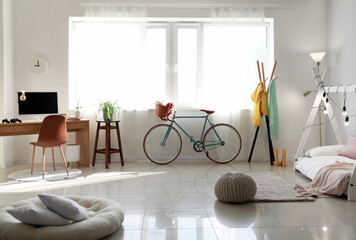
(108, 108)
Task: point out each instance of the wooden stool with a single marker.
(108, 150)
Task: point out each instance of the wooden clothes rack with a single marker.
(270, 145)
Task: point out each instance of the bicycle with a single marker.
(163, 143)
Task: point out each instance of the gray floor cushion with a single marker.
(105, 217)
(235, 187)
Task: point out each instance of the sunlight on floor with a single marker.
(17, 187)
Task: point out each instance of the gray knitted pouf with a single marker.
(235, 187)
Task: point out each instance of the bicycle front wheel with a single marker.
(222, 142)
(162, 144)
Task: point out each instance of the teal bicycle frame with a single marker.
(197, 143)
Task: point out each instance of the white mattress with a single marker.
(310, 166)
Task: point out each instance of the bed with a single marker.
(315, 159)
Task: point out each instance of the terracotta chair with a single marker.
(53, 133)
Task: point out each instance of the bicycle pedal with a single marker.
(207, 154)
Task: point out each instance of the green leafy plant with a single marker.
(108, 108)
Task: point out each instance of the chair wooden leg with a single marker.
(64, 160)
(43, 162)
(54, 167)
(33, 158)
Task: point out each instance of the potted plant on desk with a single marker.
(108, 108)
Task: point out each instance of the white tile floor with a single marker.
(177, 201)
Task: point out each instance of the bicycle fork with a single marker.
(163, 143)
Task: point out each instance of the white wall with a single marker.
(41, 28)
(298, 31)
(9, 100)
(2, 154)
(341, 50)
(7, 80)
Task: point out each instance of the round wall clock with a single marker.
(39, 65)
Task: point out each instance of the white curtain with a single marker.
(238, 77)
(230, 73)
(241, 38)
(134, 121)
(108, 56)
(115, 11)
(237, 14)
(108, 64)
(233, 63)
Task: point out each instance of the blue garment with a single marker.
(273, 111)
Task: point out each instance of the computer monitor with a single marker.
(38, 103)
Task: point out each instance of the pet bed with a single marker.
(104, 217)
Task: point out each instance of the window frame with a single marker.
(171, 26)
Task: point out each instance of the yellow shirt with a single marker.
(259, 97)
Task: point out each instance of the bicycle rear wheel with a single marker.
(229, 147)
(156, 149)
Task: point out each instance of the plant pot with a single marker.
(106, 117)
(78, 113)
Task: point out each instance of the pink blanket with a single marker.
(330, 180)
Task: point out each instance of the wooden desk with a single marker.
(80, 127)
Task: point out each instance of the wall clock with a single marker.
(39, 65)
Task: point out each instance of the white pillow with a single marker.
(332, 150)
(38, 216)
(64, 206)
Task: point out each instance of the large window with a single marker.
(193, 64)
